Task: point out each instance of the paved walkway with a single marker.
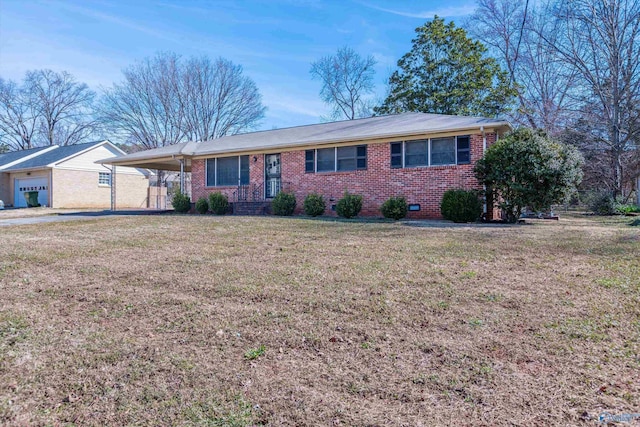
(76, 216)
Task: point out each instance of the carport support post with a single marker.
(182, 176)
(113, 187)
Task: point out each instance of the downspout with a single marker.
(182, 176)
(50, 201)
(484, 187)
(484, 140)
(113, 190)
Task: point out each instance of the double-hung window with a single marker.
(416, 153)
(336, 159)
(326, 160)
(455, 150)
(104, 179)
(227, 171)
(463, 155)
(443, 151)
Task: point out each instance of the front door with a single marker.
(272, 175)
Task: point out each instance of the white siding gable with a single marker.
(86, 161)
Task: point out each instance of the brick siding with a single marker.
(420, 185)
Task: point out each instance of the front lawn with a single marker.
(203, 320)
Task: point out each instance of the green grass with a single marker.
(254, 353)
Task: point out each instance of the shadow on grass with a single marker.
(433, 223)
(107, 212)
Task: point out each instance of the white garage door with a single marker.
(31, 184)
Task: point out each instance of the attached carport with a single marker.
(173, 158)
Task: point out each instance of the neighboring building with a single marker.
(415, 155)
(69, 177)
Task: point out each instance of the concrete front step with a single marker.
(251, 208)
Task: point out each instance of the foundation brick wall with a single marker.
(420, 185)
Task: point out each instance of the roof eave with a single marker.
(31, 169)
(490, 126)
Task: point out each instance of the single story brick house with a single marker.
(415, 155)
(69, 177)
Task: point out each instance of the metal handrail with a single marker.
(249, 192)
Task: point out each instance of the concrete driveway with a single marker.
(74, 216)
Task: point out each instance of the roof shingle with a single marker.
(12, 156)
(52, 156)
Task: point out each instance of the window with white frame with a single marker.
(227, 171)
(104, 179)
(454, 150)
(336, 159)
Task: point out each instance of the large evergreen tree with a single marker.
(447, 73)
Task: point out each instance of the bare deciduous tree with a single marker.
(576, 66)
(600, 39)
(219, 99)
(64, 107)
(165, 100)
(18, 117)
(512, 29)
(146, 108)
(346, 79)
(49, 108)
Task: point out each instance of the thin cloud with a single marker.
(302, 104)
(118, 21)
(226, 13)
(444, 11)
(385, 60)
(190, 9)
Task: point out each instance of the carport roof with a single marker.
(404, 125)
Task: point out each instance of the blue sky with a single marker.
(274, 40)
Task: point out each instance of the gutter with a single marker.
(32, 169)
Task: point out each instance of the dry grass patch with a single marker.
(241, 321)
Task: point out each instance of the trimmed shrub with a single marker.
(527, 168)
(218, 203)
(181, 202)
(601, 203)
(395, 208)
(283, 204)
(314, 205)
(202, 206)
(623, 209)
(461, 205)
(349, 206)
